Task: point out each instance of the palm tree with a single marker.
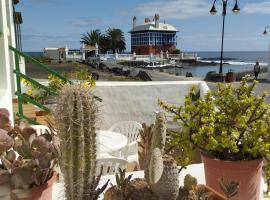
(117, 40)
(92, 37)
(104, 44)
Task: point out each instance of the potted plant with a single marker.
(27, 160)
(161, 174)
(231, 127)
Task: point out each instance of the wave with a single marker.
(233, 62)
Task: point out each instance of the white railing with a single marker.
(128, 57)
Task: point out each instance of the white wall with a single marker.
(51, 53)
(6, 67)
(137, 101)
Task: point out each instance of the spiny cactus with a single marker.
(139, 189)
(159, 137)
(76, 118)
(163, 176)
(158, 140)
(189, 182)
(144, 152)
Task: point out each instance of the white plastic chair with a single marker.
(131, 130)
(41, 129)
(110, 165)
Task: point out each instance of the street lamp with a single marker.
(265, 30)
(213, 11)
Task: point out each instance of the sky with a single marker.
(57, 23)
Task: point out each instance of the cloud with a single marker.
(174, 9)
(40, 37)
(88, 22)
(257, 8)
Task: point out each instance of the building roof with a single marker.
(151, 27)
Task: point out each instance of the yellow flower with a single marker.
(87, 84)
(30, 92)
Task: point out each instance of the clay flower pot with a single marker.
(43, 192)
(247, 173)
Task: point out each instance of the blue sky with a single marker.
(56, 23)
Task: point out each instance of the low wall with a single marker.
(123, 101)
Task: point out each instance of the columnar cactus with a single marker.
(158, 140)
(159, 137)
(76, 119)
(163, 176)
(163, 171)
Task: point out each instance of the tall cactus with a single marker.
(76, 119)
(162, 174)
(159, 137)
(158, 140)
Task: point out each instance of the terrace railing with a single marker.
(19, 76)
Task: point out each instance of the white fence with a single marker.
(127, 57)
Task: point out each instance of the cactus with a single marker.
(144, 152)
(189, 182)
(136, 189)
(158, 140)
(76, 120)
(159, 136)
(163, 176)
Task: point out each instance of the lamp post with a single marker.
(265, 33)
(213, 11)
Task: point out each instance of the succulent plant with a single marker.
(144, 152)
(189, 182)
(125, 189)
(163, 176)
(26, 159)
(6, 142)
(4, 119)
(159, 136)
(229, 188)
(76, 118)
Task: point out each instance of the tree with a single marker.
(117, 40)
(92, 37)
(113, 40)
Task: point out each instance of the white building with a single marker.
(56, 53)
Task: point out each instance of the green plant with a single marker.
(230, 123)
(55, 83)
(76, 118)
(162, 169)
(229, 188)
(144, 144)
(27, 159)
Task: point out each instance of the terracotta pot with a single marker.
(248, 173)
(43, 192)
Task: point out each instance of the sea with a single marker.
(235, 61)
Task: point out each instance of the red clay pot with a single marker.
(43, 192)
(248, 173)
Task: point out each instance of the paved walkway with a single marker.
(263, 86)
